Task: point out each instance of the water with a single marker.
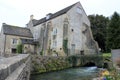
(82, 73)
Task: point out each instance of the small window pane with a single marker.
(14, 41)
(79, 11)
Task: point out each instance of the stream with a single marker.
(81, 73)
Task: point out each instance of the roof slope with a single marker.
(34, 21)
(63, 11)
(17, 31)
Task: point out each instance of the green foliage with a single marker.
(72, 60)
(113, 32)
(41, 53)
(47, 64)
(99, 26)
(65, 47)
(106, 31)
(106, 54)
(19, 48)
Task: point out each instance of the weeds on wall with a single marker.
(42, 52)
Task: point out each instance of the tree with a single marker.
(113, 32)
(19, 48)
(99, 26)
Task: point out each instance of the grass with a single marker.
(107, 55)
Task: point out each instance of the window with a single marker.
(54, 36)
(14, 41)
(82, 52)
(79, 10)
(14, 50)
(72, 30)
(54, 31)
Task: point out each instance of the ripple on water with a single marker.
(85, 73)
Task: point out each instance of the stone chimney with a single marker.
(3, 23)
(31, 17)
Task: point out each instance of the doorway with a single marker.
(14, 50)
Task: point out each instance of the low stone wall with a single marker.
(15, 68)
(42, 64)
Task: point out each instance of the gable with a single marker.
(63, 11)
(78, 12)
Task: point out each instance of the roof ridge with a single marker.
(15, 26)
(16, 30)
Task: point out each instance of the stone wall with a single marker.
(15, 68)
(9, 45)
(42, 64)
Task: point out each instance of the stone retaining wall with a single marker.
(42, 64)
(15, 68)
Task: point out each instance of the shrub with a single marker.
(65, 48)
(19, 48)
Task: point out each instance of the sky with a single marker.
(17, 12)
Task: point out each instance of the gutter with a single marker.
(4, 44)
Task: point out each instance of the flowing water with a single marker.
(82, 73)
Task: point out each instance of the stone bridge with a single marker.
(15, 68)
(86, 60)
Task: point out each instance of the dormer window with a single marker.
(79, 10)
(48, 16)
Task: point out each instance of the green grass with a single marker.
(106, 54)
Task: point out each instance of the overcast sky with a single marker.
(17, 12)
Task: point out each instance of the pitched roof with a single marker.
(17, 31)
(63, 11)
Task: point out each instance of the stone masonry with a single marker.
(15, 68)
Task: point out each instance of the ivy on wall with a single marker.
(19, 48)
(65, 47)
(42, 52)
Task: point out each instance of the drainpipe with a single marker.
(4, 45)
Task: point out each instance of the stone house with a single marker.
(11, 36)
(65, 32)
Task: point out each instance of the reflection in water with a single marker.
(86, 73)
